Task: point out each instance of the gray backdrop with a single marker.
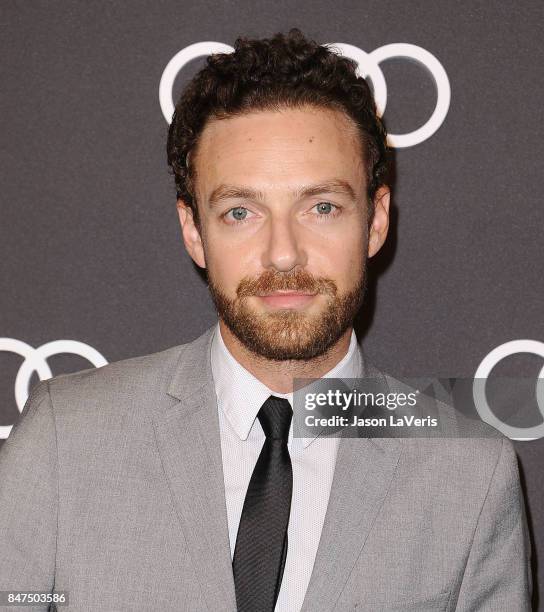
(90, 244)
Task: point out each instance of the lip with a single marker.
(287, 299)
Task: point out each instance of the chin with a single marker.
(288, 335)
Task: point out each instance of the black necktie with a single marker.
(261, 543)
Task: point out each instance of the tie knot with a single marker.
(275, 418)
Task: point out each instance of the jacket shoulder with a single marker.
(136, 382)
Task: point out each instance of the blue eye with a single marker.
(239, 214)
(327, 209)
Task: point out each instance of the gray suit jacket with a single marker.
(111, 488)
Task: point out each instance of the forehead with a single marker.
(275, 149)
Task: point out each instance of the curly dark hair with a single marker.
(285, 71)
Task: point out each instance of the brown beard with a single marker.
(288, 334)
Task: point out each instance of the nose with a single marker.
(283, 245)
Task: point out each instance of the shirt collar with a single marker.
(240, 395)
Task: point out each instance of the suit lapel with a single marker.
(363, 473)
(189, 444)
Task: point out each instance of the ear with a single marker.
(191, 234)
(380, 221)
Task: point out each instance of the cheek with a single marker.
(228, 264)
(341, 258)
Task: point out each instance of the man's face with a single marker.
(282, 203)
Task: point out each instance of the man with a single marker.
(173, 481)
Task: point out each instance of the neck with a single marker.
(278, 375)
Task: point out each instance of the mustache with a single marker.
(271, 281)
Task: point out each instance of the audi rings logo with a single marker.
(35, 360)
(478, 390)
(368, 66)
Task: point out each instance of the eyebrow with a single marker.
(226, 192)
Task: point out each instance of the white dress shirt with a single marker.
(239, 398)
